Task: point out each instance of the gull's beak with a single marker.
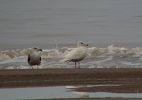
(87, 45)
(40, 49)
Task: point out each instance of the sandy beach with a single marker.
(111, 80)
(62, 77)
(97, 99)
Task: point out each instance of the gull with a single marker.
(34, 57)
(77, 54)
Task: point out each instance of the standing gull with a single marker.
(34, 57)
(77, 54)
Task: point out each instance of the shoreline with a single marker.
(69, 76)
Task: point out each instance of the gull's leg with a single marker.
(75, 64)
(78, 64)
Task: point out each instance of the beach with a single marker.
(111, 80)
(71, 76)
(112, 69)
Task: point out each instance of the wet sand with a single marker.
(91, 99)
(122, 80)
(96, 99)
(62, 77)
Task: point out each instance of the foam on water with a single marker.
(96, 57)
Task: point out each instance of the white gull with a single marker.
(77, 54)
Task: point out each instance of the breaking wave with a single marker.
(110, 57)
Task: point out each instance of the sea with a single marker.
(112, 28)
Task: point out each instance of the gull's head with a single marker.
(34, 50)
(81, 43)
(37, 49)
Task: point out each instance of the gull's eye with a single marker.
(35, 48)
(81, 43)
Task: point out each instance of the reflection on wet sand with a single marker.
(94, 99)
(132, 88)
(86, 84)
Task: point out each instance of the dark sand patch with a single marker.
(92, 99)
(62, 77)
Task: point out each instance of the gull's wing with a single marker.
(76, 53)
(28, 58)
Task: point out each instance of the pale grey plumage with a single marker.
(34, 57)
(77, 54)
